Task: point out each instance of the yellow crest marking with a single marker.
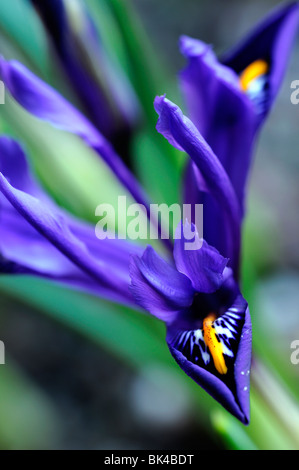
(253, 71)
(214, 345)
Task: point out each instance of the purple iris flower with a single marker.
(39, 238)
(104, 91)
(198, 297)
(228, 100)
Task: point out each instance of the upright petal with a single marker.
(220, 110)
(229, 99)
(182, 133)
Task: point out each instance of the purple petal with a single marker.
(45, 103)
(227, 120)
(14, 165)
(224, 114)
(203, 266)
(243, 365)
(39, 238)
(24, 251)
(182, 134)
(230, 390)
(54, 229)
(220, 110)
(159, 287)
(272, 39)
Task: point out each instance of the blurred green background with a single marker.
(82, 373)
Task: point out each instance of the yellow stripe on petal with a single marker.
(252, 72)
(214, 344)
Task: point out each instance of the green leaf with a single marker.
(265, 429)
(109, 32)
(233, 434)
(133, 336)
(148, 74)
(19, 22)
(159, 176)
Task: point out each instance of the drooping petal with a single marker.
(37, 237)
(158, 287)
(47, 104)
(208, 334)
(15, 167)
(53, 228)
(182, 134)
(218, 356)
(203, 266)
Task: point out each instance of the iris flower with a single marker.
(208, 321)
(197, 296)
(196, 293)
(229, 99)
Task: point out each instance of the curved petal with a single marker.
(228, 118)
(182, 134)
(220, 110)
(159, 287)
(15, 168)
(14, 165)
(203, 266)
(189, 349)
(54, 229)
(39, 238)
(45, 103)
